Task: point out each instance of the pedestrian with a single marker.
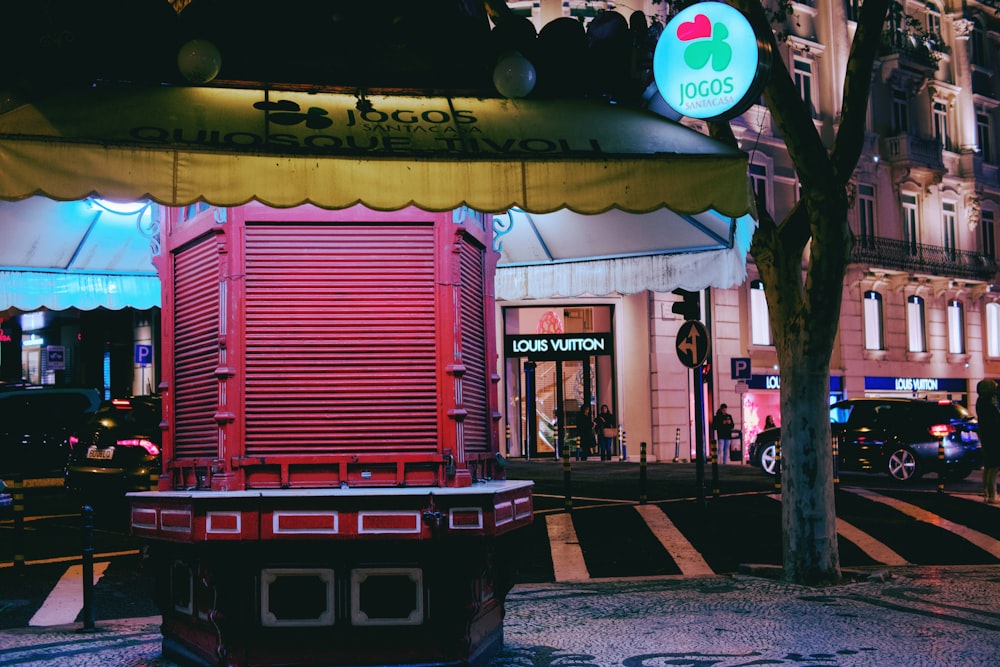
(607, 429)
(722, 424)
(585, 433)
(769, 422)
(988, 415)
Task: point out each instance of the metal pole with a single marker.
(642, 473)
(715, 469)
(777, 466)
(17, 496)
(529, 391)
(699, 428)
(88, 568)
(567, 483)
(677, 446)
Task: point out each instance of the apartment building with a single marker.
(921, 308)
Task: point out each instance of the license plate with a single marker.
(101, 454)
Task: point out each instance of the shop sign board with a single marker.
(553, 347)
(709, 63)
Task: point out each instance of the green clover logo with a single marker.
(697, 54)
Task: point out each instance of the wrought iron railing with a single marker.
(918, 257)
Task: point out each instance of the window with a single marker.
(900, 112)
(940, 111)
(934, 28)
(916, 339)
(956, 327)
(758, 175)
(979, 54)
(989, 233)
(984, 137)
(866, 214)
(910, 222)
(948, 220)
(874, 339)
(993, 330)
(760, 322)
(804, 83)
(853, 10)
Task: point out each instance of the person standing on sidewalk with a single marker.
(988, 415)
(607, 431)
(722, 424)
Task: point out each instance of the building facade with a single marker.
(921, 309)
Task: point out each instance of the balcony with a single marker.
(913, 152)
(886, 253)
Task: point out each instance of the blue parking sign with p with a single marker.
(740, 368)
(143, 354)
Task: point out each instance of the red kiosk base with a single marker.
(333, 577)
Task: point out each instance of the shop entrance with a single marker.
(561, 390)
(553, 377)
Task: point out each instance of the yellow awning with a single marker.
(229, 146)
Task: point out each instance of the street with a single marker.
(610, 533)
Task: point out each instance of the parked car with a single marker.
(35, 422)
(117, 450)
(896, 436)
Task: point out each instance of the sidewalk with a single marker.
(926, 616)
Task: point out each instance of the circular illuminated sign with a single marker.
(709, 63)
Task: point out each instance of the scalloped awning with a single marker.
(229, 146)
(553, 159)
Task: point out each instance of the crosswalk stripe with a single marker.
(981, 540)
(683, 552)
(567, 556)
(875, 549)
(66, 600)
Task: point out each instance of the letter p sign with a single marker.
(144, 354)
(740, 368)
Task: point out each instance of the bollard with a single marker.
(940, 486)
(777, 466)
(17, 498)
(87, 514)
(567, 483)
(507, 439)
(621, 439)
(677, 446)
(642, 473)
(836, 462)
(715, 468)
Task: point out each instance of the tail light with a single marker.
(941, 430)
(148, 445)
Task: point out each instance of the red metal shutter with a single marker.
(475, 382)
(340, 339)
(196, 350)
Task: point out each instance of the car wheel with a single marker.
(903, 465)
(768, 459)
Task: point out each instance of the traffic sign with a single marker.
(55, 357)
(740, 368)
(692, 343)
(143, 354)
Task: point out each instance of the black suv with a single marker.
(35, 422)
(117, 450)
(897, 436)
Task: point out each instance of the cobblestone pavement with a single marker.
(940, 617)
